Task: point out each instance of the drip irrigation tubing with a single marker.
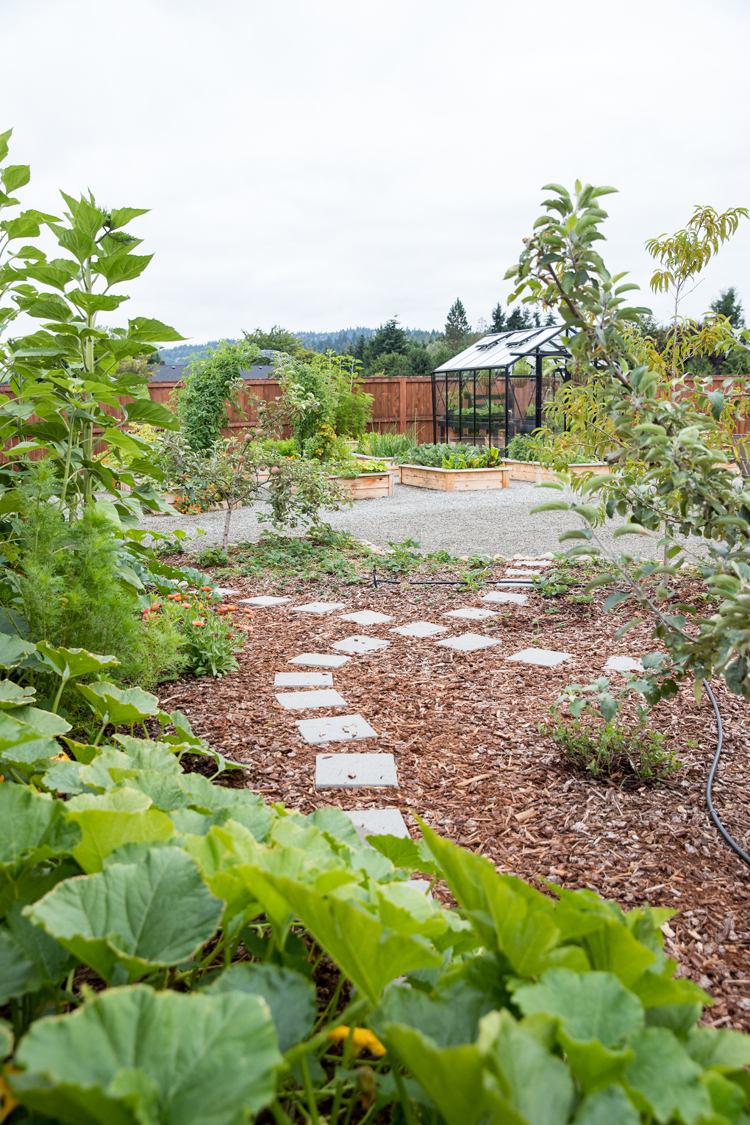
(709, 784)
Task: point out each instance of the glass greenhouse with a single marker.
(497, 388)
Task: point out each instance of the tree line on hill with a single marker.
(393, 350)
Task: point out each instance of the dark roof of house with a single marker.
(173, 372)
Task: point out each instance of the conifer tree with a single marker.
(457, 327)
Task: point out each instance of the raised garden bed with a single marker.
(454, 480)
(368, 486)
(533, 471)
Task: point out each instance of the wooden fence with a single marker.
(398, 403)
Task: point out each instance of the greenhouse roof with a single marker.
(501, 349)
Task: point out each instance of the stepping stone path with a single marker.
(350, 771)
(545, 657)
(498, 598)
(378, 822)
(469, 642)
(366, 617)
(420, 629)
(340, 728)
(263, 601)
(623, 664)
(303, 679)
(299, 700)
(358, 644)
(317, 607)
(470, 613)
(320, 660)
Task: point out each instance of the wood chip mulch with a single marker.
(464, 732)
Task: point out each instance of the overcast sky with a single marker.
(321, 163)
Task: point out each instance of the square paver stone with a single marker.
(319, 660)
(521, 573)
(366, 617)
(317, 607)
(340, 728)
(420, 629)
(350, 771)
(225, 592)
(302, 700)
(378, 822)
(469, 642)
(470, 613)
(496, 597)
(303, 679)
(623, 664)
(359, 644)
(546, 657)
(263, 601)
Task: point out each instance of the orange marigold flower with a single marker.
(173, 597)
(199, 622)
(362, 1039)
(205, 587)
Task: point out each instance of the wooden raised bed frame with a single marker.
(369, 486)
(534, 472)
(454, 480)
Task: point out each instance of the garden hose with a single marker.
(709, 784)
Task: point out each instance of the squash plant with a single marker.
(161, 941)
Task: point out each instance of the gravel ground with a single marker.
(462, 523)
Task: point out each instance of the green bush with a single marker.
(610, 749)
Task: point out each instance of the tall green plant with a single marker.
(210, 387)
(668, 480)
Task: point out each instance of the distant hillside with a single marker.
(317, 341)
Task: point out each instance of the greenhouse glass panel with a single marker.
(498, 387)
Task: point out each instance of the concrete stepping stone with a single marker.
(303, 700)
(359, 644)
(545, 657)
(525, 560)
(469, 642)
(318, 607)
(623, 664)
(521, 573)
(420, 629)
(319, 660)
(498, 598)
(339, 728)
(366, 617)
(303, 679)
(263, 601)
(378, 822)
(352, 771)
(470, 613)
(225, 592)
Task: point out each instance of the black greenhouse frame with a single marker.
(477, 398)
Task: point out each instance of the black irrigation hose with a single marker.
(709, 784)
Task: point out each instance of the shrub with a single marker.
(388, 444)
(613, 750)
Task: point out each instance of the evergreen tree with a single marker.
(729, 306)
(497, 323)
(457, 327)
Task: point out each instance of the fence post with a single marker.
(402, 403)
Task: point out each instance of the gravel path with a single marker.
(462, 523)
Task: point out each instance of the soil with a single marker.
(471, 761)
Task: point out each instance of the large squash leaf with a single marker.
(33, 827)
(133, 1056)
(369, 954)
(123, 816)
(289, 995)
(132, 918)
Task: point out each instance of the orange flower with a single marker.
(248, 613)
(362, 1039)
(173, 597)
(205, 588)
(199, 622)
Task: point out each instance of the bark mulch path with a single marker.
(464, 732)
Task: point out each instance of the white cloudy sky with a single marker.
(326, 163)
